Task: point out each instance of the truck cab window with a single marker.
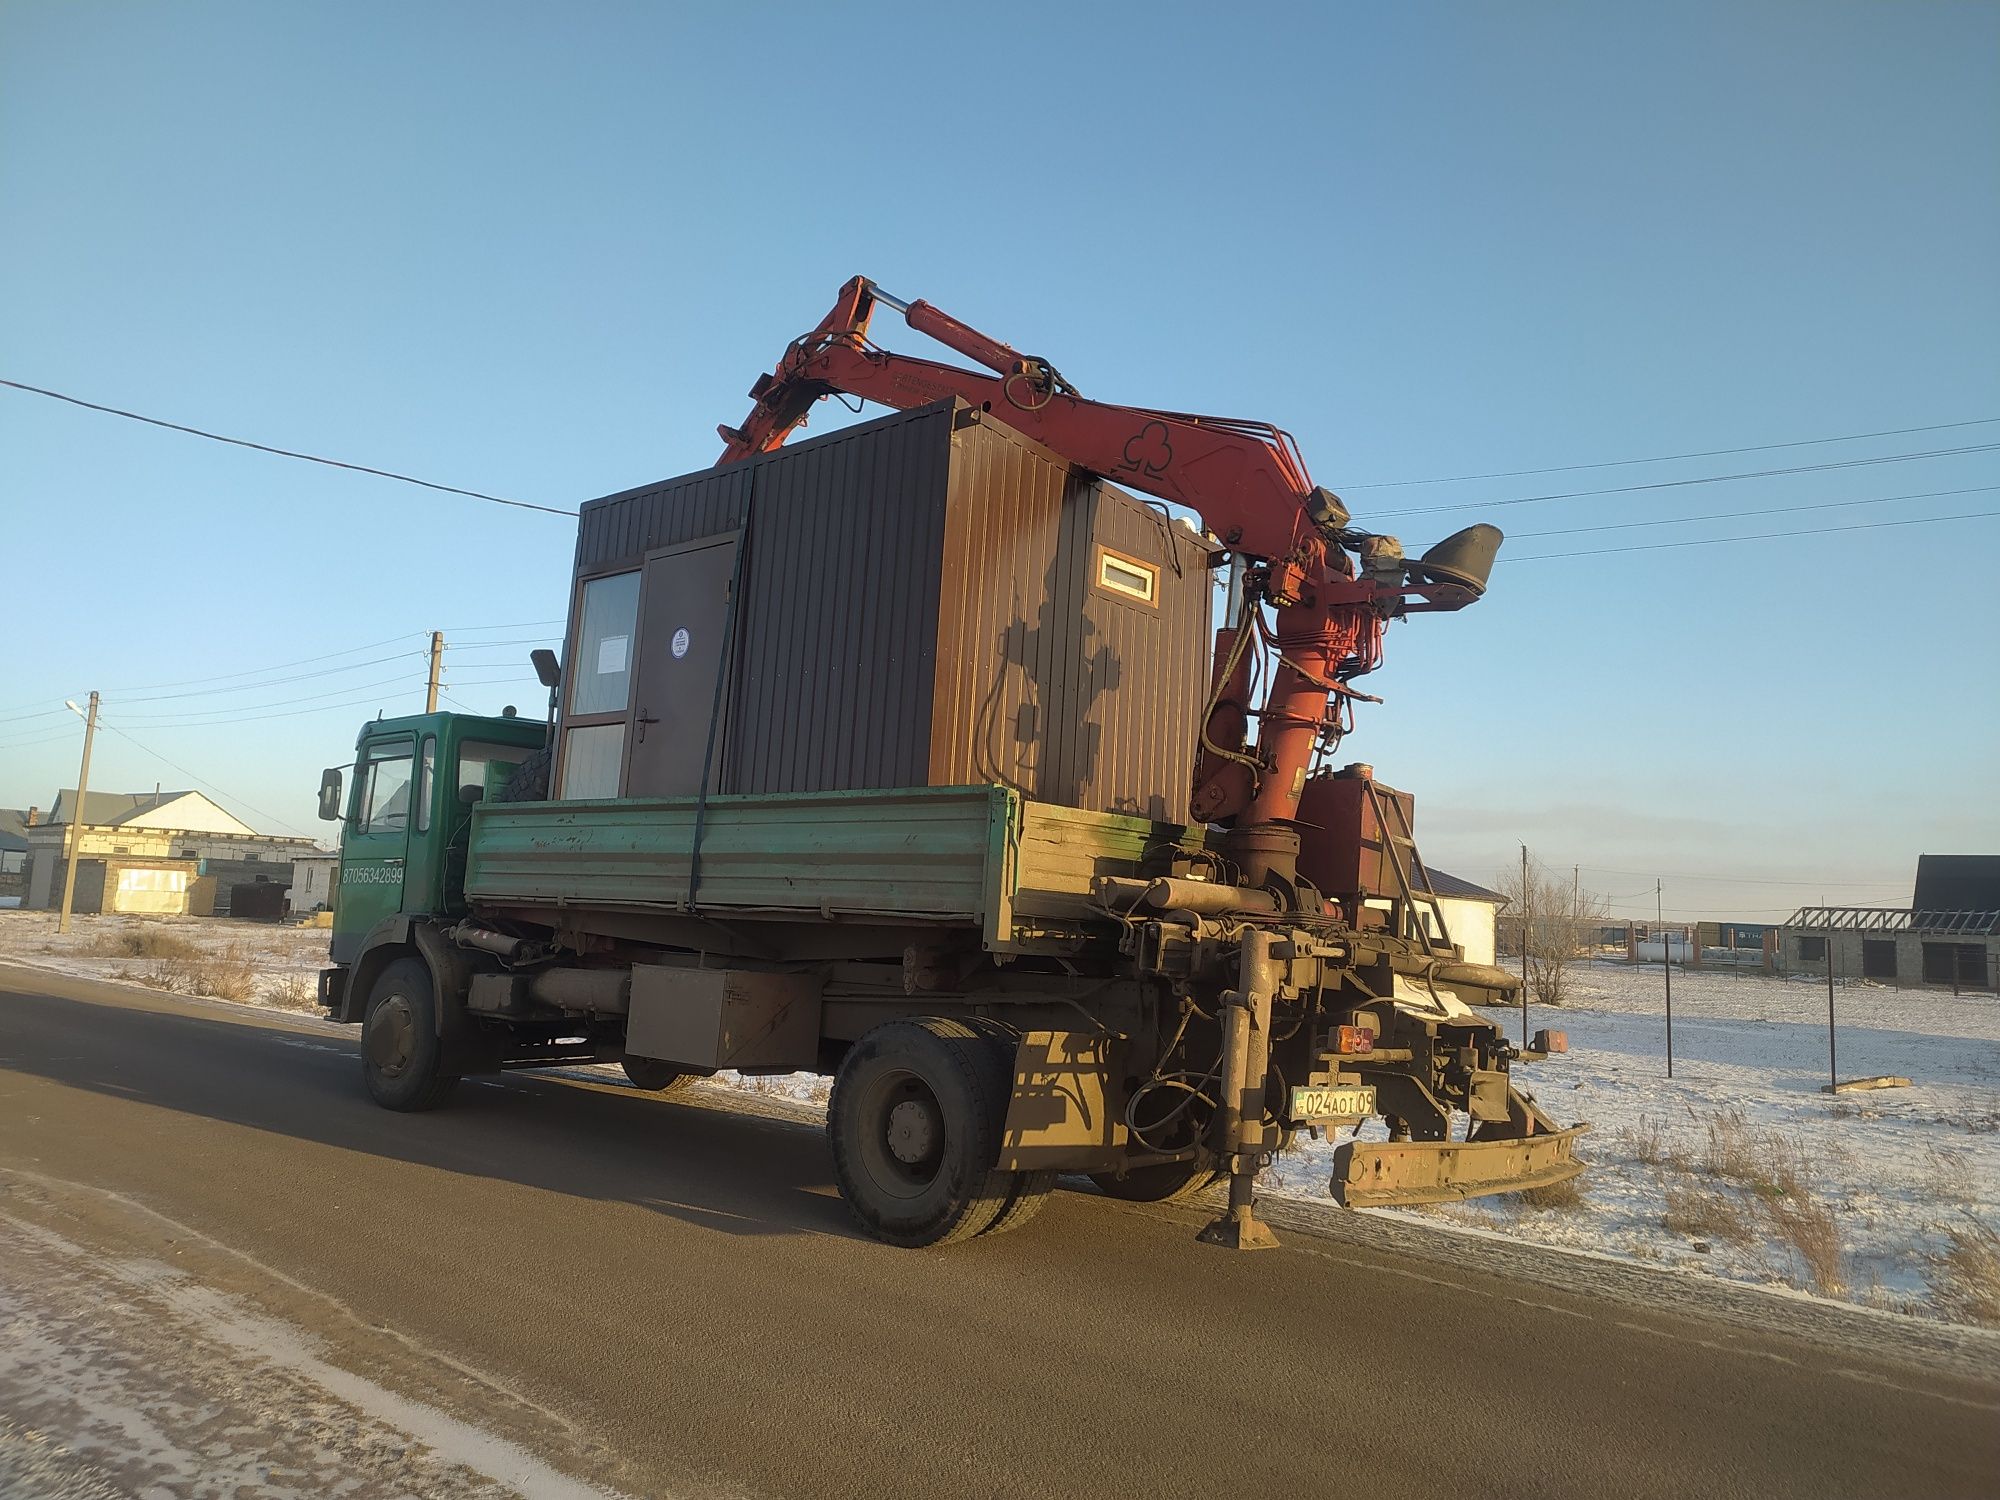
(385, 792)
(488, 766)
(426, 782)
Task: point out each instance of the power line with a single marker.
(1670, 484)
(1812, 880)
(516, 625)
(1760, 536)
(1734, 515)
(251, 687)
(1663, 458)
(311, 458)
(195, 715)
(280, 666)
(174, 765)
(365, 701)
(49, 739)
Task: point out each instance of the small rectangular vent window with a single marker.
(1128, 578)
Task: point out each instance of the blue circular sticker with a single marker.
(680, 643)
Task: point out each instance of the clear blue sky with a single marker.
(542, 250)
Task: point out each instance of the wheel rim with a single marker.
(392, 1036)
(902, 1134)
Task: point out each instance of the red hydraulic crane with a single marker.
(1332, 586)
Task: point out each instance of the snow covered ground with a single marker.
(1739, 1166)
(1736, 1167)
(264, 963)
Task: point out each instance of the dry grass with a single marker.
(223, 976)
(1701, 1212)
(144, 942)
(1807, 1227)
(1558, 1196)
(1731, 1180)
(1965, 1279)
(295, 991)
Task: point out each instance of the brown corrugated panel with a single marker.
(999, 650)
(1045, 683)
(1146, 669)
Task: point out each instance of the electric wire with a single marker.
(1670, 484)
(251, 687)
(1665, 458)
(311, 458)
(1760, 536)
(376, 699)
(268, 817)
(281, 666)
(197, 715)
(1733, 515)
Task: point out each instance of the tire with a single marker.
(1163, 1182)
(401, 1052)
(653, 1075)
(1031, 1191)
(530, 781)
(915, 1122)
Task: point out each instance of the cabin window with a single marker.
(600, 668)
(1127, 577)
(593, 756)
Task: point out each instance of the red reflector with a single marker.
(1353, 1039)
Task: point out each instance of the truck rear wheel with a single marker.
(1163, 1182)
(653, 1075)
(1031, 1191)
(401, 1052)
(915, 1122)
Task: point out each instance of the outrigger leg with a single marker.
(1241, 1133)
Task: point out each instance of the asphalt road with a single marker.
(674, 1291)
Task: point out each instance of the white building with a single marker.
(312, 883)
(156, 824)
(1469, 914)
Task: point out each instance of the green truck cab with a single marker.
(406, 816)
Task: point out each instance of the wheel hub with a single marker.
(912, 1132)
(392, 1035)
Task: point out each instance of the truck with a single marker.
(913, 755)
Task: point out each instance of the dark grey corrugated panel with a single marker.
(623, 528)
(839, 610)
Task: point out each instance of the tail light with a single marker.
(1350, 1039)
(1550, 1041)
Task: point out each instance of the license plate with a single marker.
(1347, 1101)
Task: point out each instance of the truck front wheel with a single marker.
(400, 1049)
(915, 1122)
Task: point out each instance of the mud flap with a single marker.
(1387, 1174)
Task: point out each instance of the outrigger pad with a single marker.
(1383, 1175)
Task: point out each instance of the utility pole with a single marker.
(73, 837)
(437, 665)
(1527, 926)
(1666, 968)
(1832, 1054)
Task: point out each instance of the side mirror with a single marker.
(471, 796)
(548, 671)
(329, 794)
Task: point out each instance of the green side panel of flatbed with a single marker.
(966, 856)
